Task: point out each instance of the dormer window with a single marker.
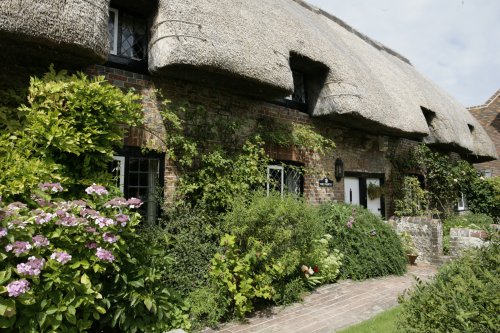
(127, 35)
(299, 88)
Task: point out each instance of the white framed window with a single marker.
(284, 178)
(462, 203)
(275, 178)
(487, 173)
(118, 170)
(113, 31)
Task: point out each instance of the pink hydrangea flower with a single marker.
(89, 213)
(51, 187)
(109, 237)
(18, 248)
(40, 241)
(18, 224)
(116, 203)
(33, 267)
(122, 219)
(104, 254)
(18, 288)
(3, 232)
(78, 203)
(105, 222)
(15, 206)
(91, 245)
(96, 189)
(134, 203)
(44, 217)
(61, 257)
(91, 230)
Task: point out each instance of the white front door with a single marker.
(373, 205)
(351, 190)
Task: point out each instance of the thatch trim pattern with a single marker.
(76, 27)
(253, 40)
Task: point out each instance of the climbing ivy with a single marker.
(220, 156)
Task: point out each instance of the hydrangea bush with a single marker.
(59, 257)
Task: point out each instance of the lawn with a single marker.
(384, 322)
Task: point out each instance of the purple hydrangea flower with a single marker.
(3, 232)
(51, 187)
(78, 203)
(122, 219)
(18, 248)
(44, 217)
(116, 203)
(15, 206)
(33, 267)
(104, 254)
(61, 257)
(105, 222)
(96, 189)
(40, 241)
(92, 230)
(18, 224)
(68, 220)
(18, 288)
(134, 203)
(91, 245)
(109, 237)
(89, 213)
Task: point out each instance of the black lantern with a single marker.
(339, 169)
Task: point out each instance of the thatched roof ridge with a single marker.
(346, 26)
(77, 28)
(364, 83)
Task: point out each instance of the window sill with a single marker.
(128, 64)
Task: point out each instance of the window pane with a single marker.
(133, 37)
(299, 90)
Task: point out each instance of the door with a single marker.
(351, 190)
(373, 205)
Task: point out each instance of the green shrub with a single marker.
(72, 266)
(370, 247)
(68, 126)
(193, 239)
(276, 250)
(463, 297)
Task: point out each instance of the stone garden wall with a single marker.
(462, 239)
(427, 235)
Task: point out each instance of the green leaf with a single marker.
(7, 307)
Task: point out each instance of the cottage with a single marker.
(281, 60)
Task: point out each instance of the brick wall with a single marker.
(488, 116)
(360, 152)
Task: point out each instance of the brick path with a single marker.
(332, 307)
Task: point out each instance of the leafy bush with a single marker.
(68, 127)
(193, 238)
(275, 251)
(463, 297)
(68, 264)
(370, 247)
(414, 199)
(483, 195)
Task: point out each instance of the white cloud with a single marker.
(456, 43)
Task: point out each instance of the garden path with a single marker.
(332, 307)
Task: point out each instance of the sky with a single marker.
(455, 43)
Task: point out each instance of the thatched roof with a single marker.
(365, 83)
(74, 28)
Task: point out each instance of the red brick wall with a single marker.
(488, 116)
(360, 152)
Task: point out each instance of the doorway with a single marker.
(355, 191)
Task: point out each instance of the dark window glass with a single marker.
(129, 39)
(299, 89)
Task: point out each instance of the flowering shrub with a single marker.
(58, 258)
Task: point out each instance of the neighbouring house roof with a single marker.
(357, 80)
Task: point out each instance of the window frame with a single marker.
(128, 152)
(114, 49)
(123, 62)
(285, 168)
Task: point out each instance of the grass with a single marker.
(384, 322)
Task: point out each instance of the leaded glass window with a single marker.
(285, 179)
(127, 35)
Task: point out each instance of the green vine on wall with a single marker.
(220, 156)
